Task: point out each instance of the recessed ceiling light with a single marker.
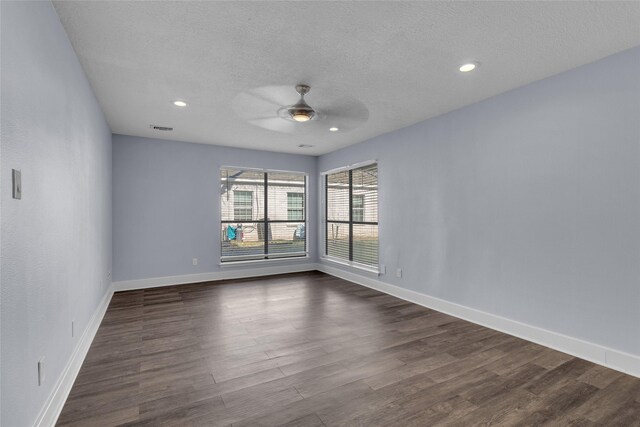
(334, 129)
(470, 66)
(179, 103)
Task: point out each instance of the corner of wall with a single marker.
(54, 404)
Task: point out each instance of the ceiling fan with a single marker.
(277, 108)
(300, 111)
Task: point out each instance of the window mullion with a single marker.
(326, 214)
(351, 215)
(266, 211)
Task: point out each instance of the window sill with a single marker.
(355, 265)
(263, 261)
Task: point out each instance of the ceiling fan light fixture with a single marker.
(302, 116)
(301, 111)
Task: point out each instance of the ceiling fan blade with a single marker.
(276, 124)
(249, 106)
(344, 124)
(281, 95)
(345, 114)
(347, 107)
(263, 102)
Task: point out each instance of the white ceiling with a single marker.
(399, 59)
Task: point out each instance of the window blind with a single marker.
(263, 214)
(351, 203)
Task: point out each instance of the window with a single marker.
(351, 226)
(262, 214)
(295, 206)
(242, 205)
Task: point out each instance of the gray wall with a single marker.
(56, 241)
(526, 205)
(166, 207)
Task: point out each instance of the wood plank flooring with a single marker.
(309, 349)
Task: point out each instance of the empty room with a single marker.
(320, 213)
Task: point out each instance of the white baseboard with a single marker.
(156, 282)
(614, 359)
(595, 353)
(53, 407)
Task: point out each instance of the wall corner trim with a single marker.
(53, 406)
(269, 270)
(610, 358)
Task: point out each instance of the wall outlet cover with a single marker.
(194, 261)
(41, 371)
(17, 183)
(399, 272)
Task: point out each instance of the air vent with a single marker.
(162, 128)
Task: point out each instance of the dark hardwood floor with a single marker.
(310, 350)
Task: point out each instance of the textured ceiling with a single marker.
(399, 59)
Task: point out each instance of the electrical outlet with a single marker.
(194, 261)
(398, 272)
(109, 274)
(17, 183)
(41, 371)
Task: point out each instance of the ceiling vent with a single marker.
(162, 128)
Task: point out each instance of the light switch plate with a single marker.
(41, 371)
(17, 184)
